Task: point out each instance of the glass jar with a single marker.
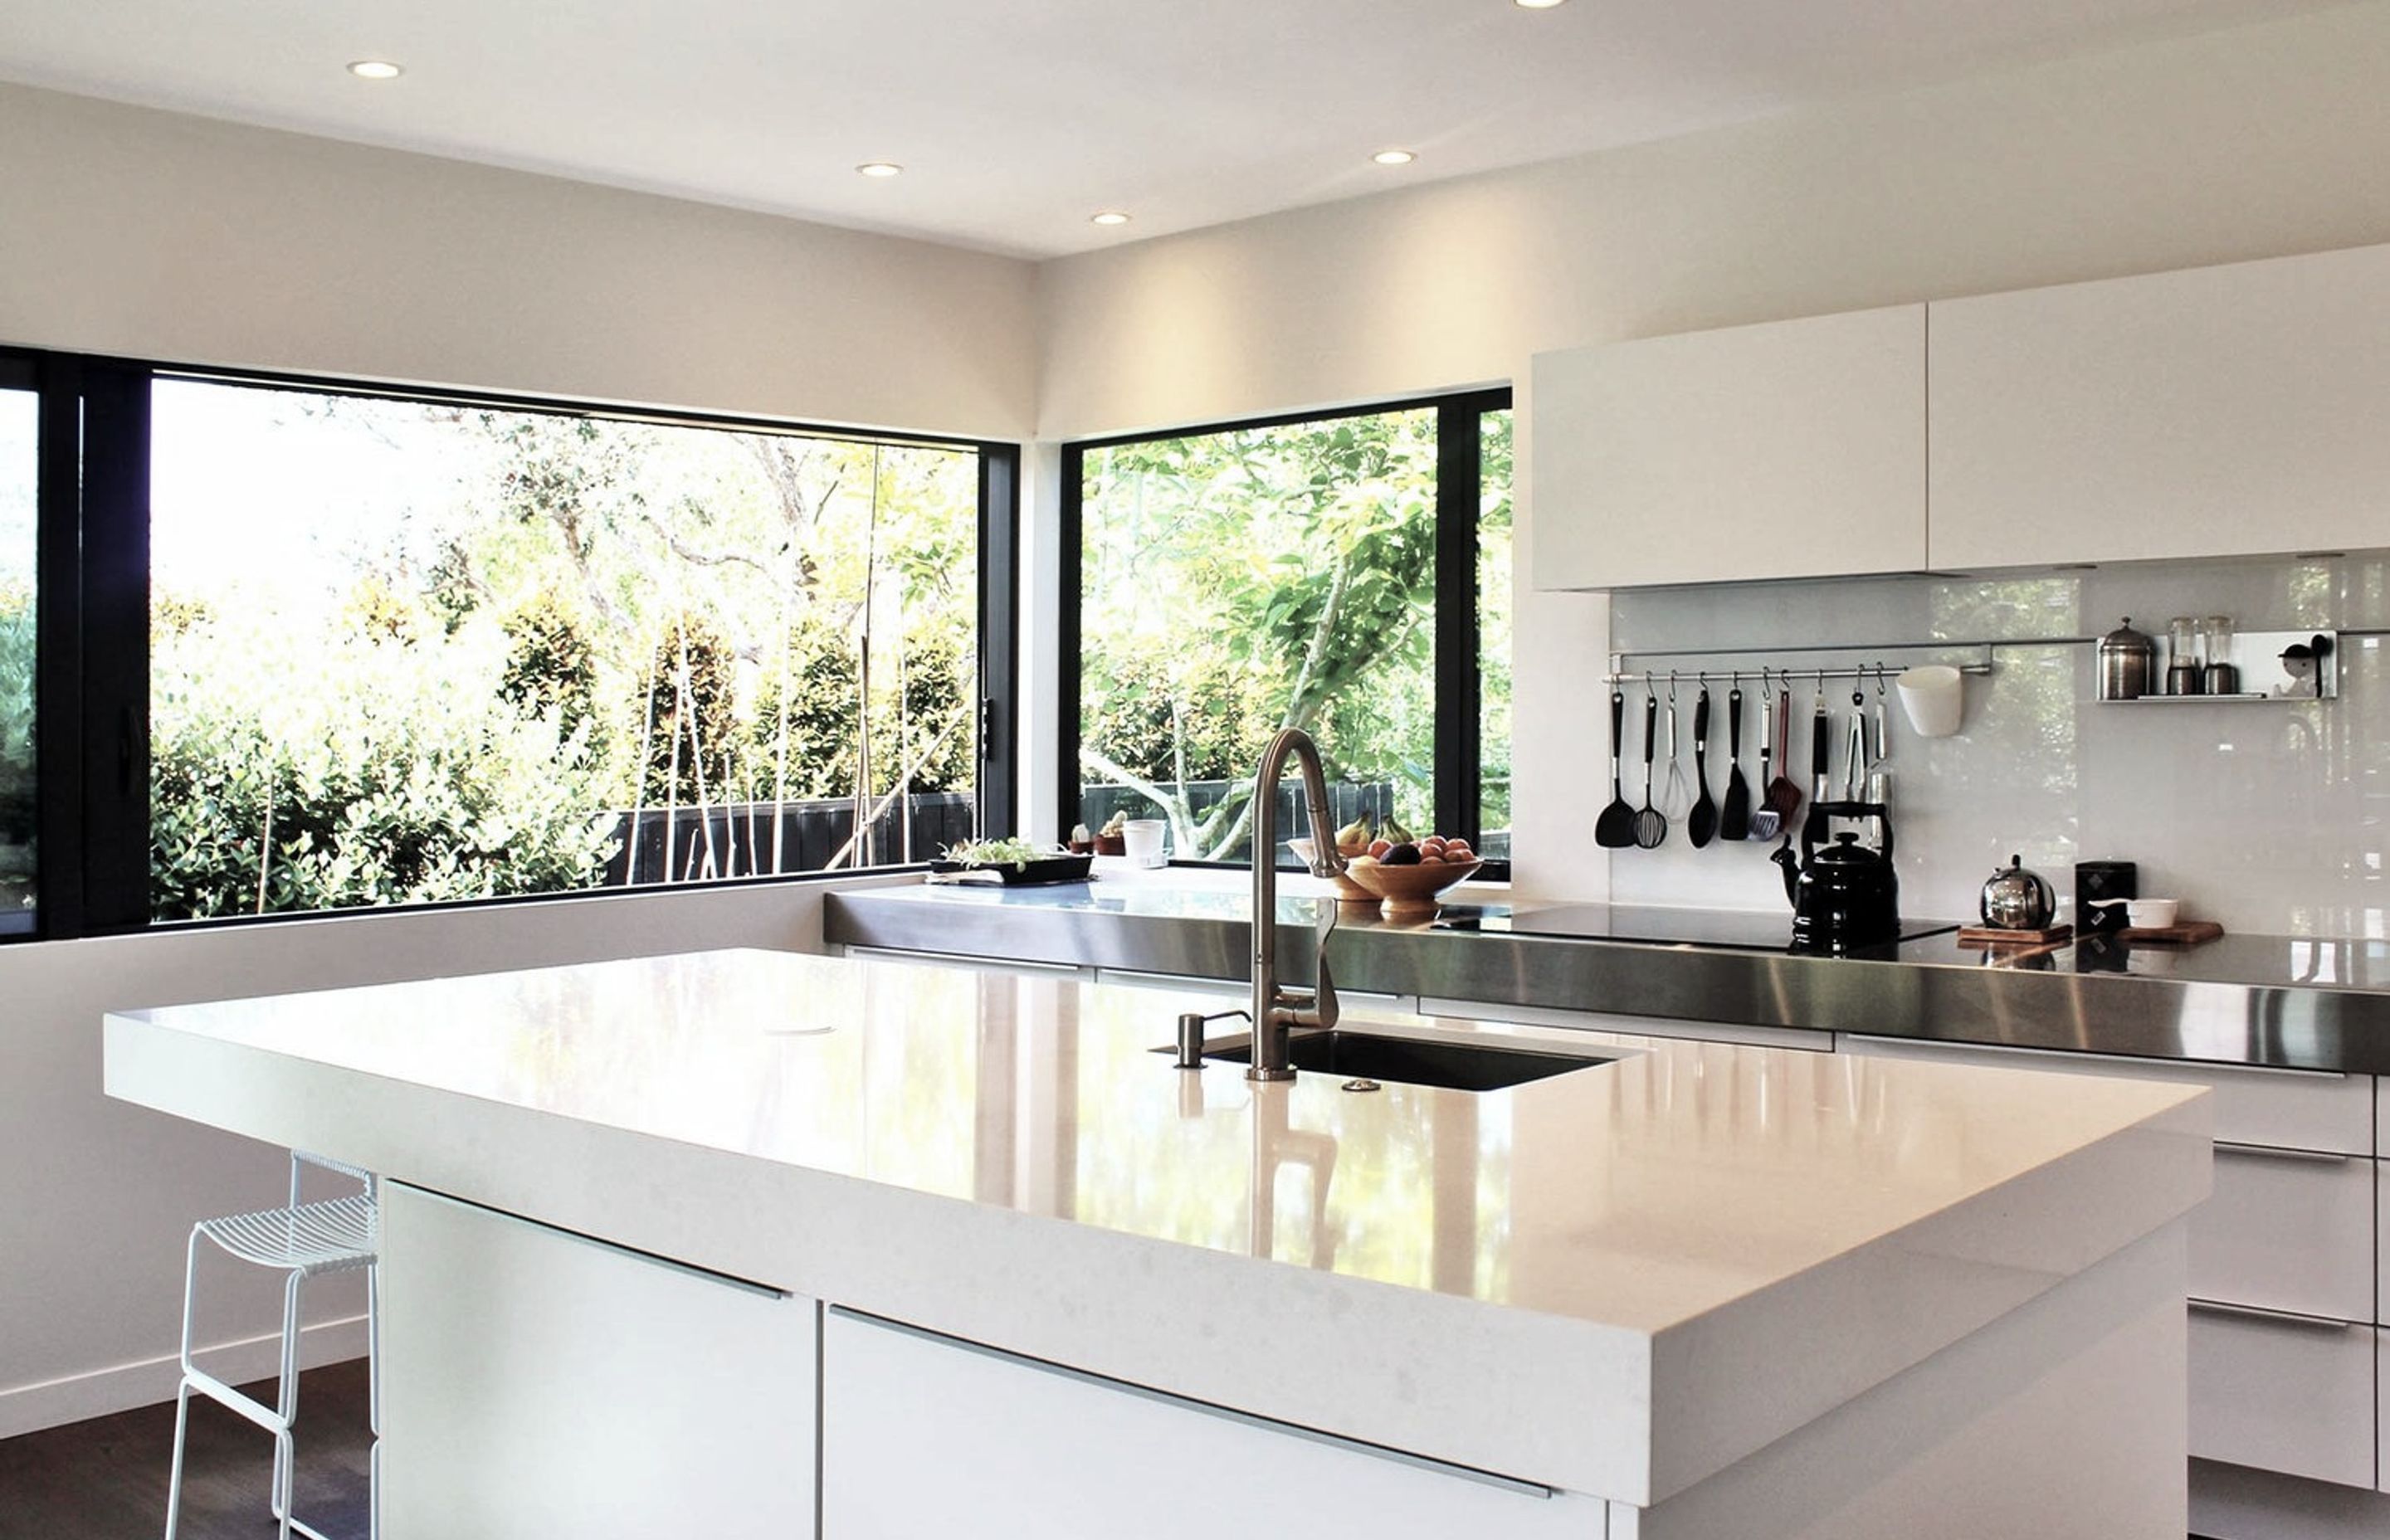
(2184, 673)
(2221, 677)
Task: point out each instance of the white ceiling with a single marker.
(1017, 119)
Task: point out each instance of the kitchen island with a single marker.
(767, 1243)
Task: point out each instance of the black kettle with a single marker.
(1845, 896)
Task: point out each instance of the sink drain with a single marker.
(1361, 1086)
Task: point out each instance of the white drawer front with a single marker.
(2382, 1408)
(927, 1437)
(2381, 1240)
(2291, 1108)
(2297, 1397)
(2287, 1230)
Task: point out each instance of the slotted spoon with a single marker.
(1650, 825)
(1783, 792)
(1615, 829)
(1678, 795)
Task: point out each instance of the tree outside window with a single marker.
(405, 651)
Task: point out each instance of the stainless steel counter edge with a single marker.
(2301, 1026)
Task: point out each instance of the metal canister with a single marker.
(2127, 662)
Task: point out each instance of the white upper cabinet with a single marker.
(2219, 411)
(1789, 449)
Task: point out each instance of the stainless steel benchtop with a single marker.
(2279, 1001)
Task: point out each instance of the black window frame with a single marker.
(1457, 752)
(92, 627)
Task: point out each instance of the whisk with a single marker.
(1677, 799)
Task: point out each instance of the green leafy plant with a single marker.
(17, 811)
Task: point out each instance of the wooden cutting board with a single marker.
(1987, 935)
(2190, 933)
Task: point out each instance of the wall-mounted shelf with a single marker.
(2244, 698)
(2289, 665)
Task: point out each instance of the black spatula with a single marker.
(1615, 829)
(1734, 819)
(1702, 824)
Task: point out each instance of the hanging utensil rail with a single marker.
(1878, 668)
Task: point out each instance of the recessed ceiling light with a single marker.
(1111, 216)
(1536, 4)
(375, 69)
(880, 168)
(1394, 157)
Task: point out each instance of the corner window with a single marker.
(352, 650)
(1347, 575)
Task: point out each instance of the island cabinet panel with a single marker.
(2283, 1393)
(2217, 411)
(1788, 449)
(536, 1382)
(927, 1436)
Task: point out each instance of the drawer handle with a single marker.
(2274, 1152)
(2275, 1317)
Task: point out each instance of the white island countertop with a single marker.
(1615, 1281)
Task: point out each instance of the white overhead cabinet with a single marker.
(2219, 411)
(1789, 449)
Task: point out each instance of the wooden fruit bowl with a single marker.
(1347, 890)
(1409, 889)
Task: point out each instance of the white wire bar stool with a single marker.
(304, 1241)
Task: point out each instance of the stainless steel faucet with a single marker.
(1278, 1008)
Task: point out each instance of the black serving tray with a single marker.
(1027, 874)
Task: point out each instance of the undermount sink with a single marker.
(1412, 1061)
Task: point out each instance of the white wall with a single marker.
(2258, 141)
(2266, 817)
(164, 237)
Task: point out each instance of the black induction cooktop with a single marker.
(1744, 929)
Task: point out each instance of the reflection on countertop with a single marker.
(1638, 1193)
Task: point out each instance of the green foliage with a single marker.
(408, 785)
(810, 751)
(16, 814)
(550, 665)
(692, 704)
(1147, 703)
(597, 615)
(817, 757)
(1285, 577)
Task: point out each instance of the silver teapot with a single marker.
(2016, 899)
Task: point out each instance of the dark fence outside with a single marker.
(737, 839)
(1346, 801)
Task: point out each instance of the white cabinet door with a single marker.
(2289, 1108)
(925, 1436)
(2287, 1230)
(1789, 449)
(2218, 411)
(536, 1383)
(2282, 1394)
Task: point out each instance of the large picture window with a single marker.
(373, 649)
(19, 455)
(1348, 575)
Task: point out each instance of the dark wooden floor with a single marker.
(106, 1479)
